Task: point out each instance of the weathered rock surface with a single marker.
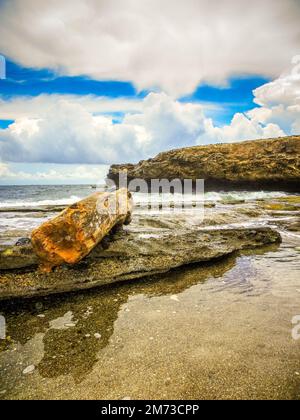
(17, 257)
(262, 164)
(294, 227)
(128, 257)
(71, 236)
(28, 209)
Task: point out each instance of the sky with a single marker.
(91, 82)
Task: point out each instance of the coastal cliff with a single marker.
(272, 164)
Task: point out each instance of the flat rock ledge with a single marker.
(128, 256)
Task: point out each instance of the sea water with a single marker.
(41, 195)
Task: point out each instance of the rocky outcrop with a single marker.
(129, 256)
(261, 164)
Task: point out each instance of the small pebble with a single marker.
(174, 297)
(297, 373)
(97, 335)
(70, 325)
(29, 370)
(87, 335)
(41, 316)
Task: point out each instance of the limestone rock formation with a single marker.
(272, 164)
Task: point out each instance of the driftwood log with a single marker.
(71, 236)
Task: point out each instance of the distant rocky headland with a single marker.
(272, 164)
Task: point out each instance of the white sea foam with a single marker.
(39, 203)
(153, 198)
(243, 195)
(141, 199)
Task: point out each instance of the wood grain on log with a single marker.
(71, 236)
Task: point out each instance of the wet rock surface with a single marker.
(154, 243)
(212, 331)
(129, 256)
(19, 256)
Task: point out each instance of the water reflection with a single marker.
(220, 323)
(76, 338)
(76, 327)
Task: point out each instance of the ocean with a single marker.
(47, 195)
(41, 195)
(20, 205)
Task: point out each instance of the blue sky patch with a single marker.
(22, 81)
(5, 123)
(236, 97)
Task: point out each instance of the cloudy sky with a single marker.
(94, 82)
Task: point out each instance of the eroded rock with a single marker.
(272, 164)
(131, 256)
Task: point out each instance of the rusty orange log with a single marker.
(72, 235)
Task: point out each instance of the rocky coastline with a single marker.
(154, 244)
(272, 164)
(184, 298)
(82, 249)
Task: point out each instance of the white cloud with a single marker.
(4, 171)
(38, 106)
(167, 123)
(67, 133)
(283, 91)
(280, 101)
(52, 174)
(64, 129)
(18, 107)
(278, 114)
(241, 128)
(173, 45)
